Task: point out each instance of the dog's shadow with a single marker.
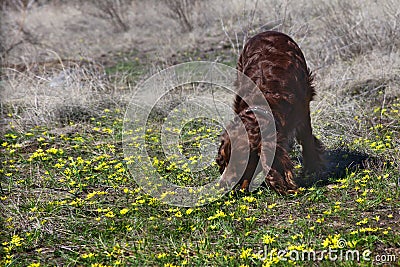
(338, 163)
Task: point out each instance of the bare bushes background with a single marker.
(353, 49)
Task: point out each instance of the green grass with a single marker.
(69, 199)
(131, 65)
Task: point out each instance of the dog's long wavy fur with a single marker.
(275, 63)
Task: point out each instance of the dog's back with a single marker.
(275, 63)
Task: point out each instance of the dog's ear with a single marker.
(267, 149)
(224, 152)
(280, 177)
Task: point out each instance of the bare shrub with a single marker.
(114, 11)
(181, 11)
(254, 16)
(239, 29)
(18, 5)
(15, 32)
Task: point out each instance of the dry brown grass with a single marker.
(54, 93)
(346, 49)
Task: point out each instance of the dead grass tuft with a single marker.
(54, 93)
(352, 29)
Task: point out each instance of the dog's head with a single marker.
(224, 152)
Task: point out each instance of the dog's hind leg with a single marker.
(313, 149)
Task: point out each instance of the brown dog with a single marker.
(275, 63)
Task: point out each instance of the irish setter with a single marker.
(275, 63)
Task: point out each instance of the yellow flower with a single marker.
(16, 240)
(245, 253)
(360, 200)
(124, 211)
(363, 221)
(326, 242)
(217, 215)
(243, 208)
(110, 214)
(327, 212)
(251, 219)
(249, 199)
(188, 211)
(90, 195)
(267, 239)
(161, 255)
(352, 244)
(87, 255)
